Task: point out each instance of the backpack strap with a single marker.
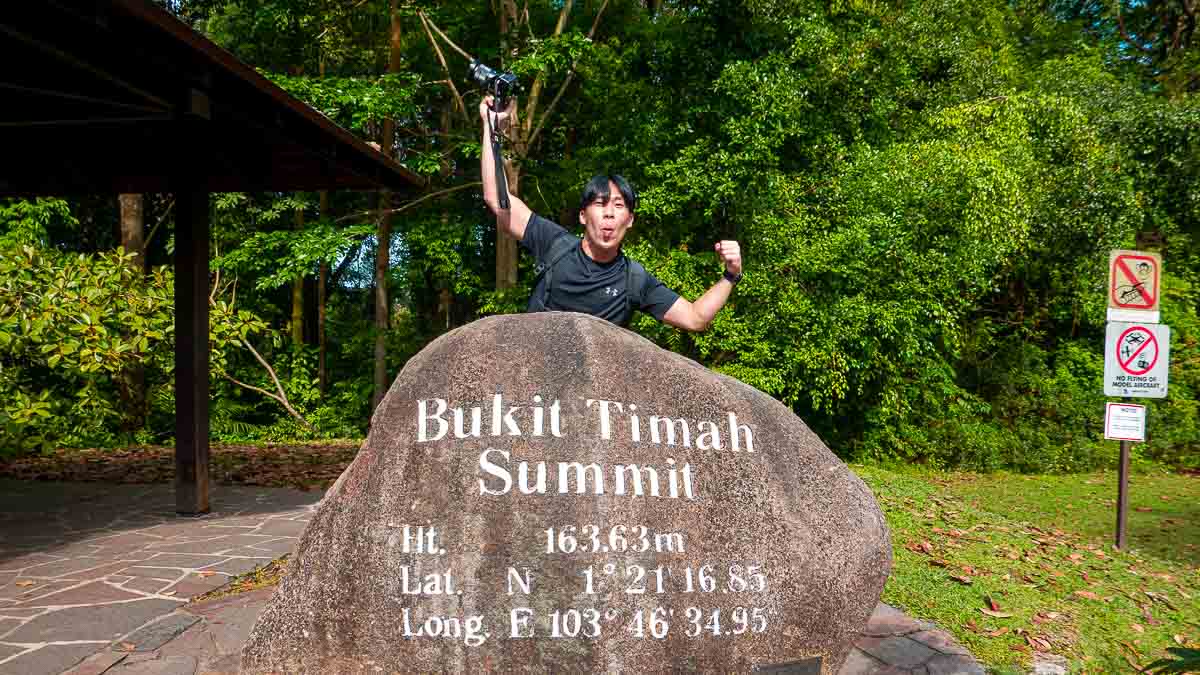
(635, 283)
(559, 248)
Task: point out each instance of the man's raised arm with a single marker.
(513, 220)
(696, 316)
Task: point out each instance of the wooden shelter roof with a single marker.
(112, 96)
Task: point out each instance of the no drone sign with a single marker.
(1136, 359)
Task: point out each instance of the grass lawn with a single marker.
(1016, 564)
(1010, 564)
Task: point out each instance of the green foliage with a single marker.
(27, 223)
(925, 193)
(74, 325)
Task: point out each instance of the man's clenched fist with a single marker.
(731, 255)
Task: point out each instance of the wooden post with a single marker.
(191, 352)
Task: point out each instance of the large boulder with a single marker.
(549, 492)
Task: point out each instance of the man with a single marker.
(594, 276)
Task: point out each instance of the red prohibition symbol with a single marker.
(1132, 347)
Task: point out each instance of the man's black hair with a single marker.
(597, 188)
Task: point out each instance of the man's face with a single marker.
(605, 222)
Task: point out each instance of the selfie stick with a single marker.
(497, 157)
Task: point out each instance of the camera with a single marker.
(499, 85)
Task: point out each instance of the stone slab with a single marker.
(887, 621)
(50, 659)
(60, 568)
(9, 650)
(235, 566)
(146, 585)
(954, 665)
(193, 585)
(186, 561)
(7, 625)
(861, 663)
(126, 540)
(157, 634)
(287, 528)
(87, 594)
(897, 651)
(25, 594)
(21, 613)
(941, 641)
(171, 665)
(97, 663)
(98, 622)
(168, 574)
(214, 545)
(27, 560)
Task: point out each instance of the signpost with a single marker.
(1136, 356)
(1136, 359)
(1133, 286)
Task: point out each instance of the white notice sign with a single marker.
(1124, 422)
(1135, 359)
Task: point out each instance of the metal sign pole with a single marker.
(1122, 493)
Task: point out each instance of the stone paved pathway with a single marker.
(95, 578)
(84, 566)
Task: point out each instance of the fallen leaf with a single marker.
(962, 580)
(26, 582)
(128, 646)
(1179, 640)
(998, 632)
(205, 573)
(1137, 628)
(1144, 509)
(926, 547)
(168, 593)
(1038, 643)
(936, 562)
(1075, 556)
(998, 615)
(1087, 594)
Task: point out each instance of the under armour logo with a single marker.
(614, 292)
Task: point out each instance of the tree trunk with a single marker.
(132, 386)
(322, 276)
(384, 235)
(298, 294)
(133, 229)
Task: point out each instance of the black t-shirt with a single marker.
(581, 284)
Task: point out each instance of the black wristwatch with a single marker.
(732, 278)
